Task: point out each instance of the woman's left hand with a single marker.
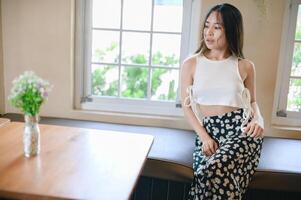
(253, 129)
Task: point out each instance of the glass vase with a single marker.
(31, 136)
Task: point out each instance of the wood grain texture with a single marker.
(74, 163)
(4, 121)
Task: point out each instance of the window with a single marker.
(287, 104)
(128, 54)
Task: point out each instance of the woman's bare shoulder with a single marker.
(246, 64)
(189, 63)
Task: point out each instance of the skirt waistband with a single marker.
(227, 114)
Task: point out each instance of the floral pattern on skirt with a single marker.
(227, 173)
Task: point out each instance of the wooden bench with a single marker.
(279, 167)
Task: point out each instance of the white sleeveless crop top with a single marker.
(218, 82)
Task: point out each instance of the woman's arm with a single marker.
(187, 71)
(256, 126)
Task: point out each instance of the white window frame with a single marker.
(282, 118)
(82, 90)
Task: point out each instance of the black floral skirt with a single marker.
(227, 173)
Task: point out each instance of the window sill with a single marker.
(287, 128)
(177, 122)
(286, 123)
(132, 106)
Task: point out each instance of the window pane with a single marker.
(296, 65)
(166, 49)
(294, 95)
(298, 27)
(104, 80)
(137, 14)
(135, 48)
(164, 84)
(168, 15)
(134, 82)
(105, 46)
(106, 14)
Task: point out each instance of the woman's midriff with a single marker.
(213, 110)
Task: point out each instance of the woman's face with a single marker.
(214, 32)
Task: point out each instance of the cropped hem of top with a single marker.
(218, 82)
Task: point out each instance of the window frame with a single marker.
(82, 86)
(280, 116)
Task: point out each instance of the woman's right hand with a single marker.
(209, 146)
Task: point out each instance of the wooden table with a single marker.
(74, 163)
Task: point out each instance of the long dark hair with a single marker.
(233, 25)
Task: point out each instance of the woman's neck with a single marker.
(217, 55)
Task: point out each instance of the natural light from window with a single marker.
(294, 95)
(136, 49)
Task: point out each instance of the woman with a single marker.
(218, 88)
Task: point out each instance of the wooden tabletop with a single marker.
(4, 121)
(74, 163)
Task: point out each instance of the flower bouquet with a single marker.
(28, 93)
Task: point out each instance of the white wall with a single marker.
(38, 35)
